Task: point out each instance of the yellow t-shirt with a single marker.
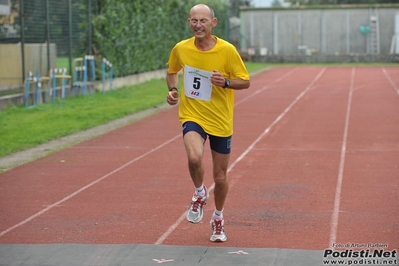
(201, 102)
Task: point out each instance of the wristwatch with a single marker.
(226, 83)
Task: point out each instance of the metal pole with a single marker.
(48, 35)
(322, 32)
(272, 23)
(70, 37)
(22, 15)
(275, 34)
(348, 38)
(368, 35)
(251, 30)
(243, 38)
(89, 24)
(299, 36)
(395, 49)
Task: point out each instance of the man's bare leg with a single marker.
(220, 164)
(194, 144)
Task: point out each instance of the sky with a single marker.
(264, 3)
(261, 3)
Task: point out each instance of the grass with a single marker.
(253, 67)
(63, 62)
(23, 128)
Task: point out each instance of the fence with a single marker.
(52, 30)
(323, 32)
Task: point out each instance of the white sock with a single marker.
(200, 191)
(218, 215)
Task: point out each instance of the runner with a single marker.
(212, 70)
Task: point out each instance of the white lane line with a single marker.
(49, 207)
(338, 189)
(265, 87)
(183, 215)
(391, 81)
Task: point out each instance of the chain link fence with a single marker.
(333, 35)
(43, 35)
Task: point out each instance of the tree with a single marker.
(276, 3)
(339, 2)
(235, 6)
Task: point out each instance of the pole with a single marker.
(70, 38)
(22, 14)
(89, 26)
(348, 37)
(48, 35)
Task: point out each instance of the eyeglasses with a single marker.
(196, 21)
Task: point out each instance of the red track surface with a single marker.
(314, 162)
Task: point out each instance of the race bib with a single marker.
(197, 83)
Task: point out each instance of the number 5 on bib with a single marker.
(197, 84)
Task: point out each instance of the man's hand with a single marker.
(217, 78)
(173, 97)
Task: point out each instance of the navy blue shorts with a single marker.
(218, 144)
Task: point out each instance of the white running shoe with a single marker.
(218, 234)
(195, 211)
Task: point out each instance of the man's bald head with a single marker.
(203, 8)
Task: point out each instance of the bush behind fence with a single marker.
(135, 35)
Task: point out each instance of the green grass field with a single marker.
(23, 128)
(63, 62)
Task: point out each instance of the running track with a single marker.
(315, 161)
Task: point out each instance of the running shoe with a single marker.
(195, 211)
(218, 234)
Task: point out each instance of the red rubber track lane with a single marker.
(314, 162)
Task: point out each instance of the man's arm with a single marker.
(172, 80)
(218, 79)
(173, 94)
(239, 84)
